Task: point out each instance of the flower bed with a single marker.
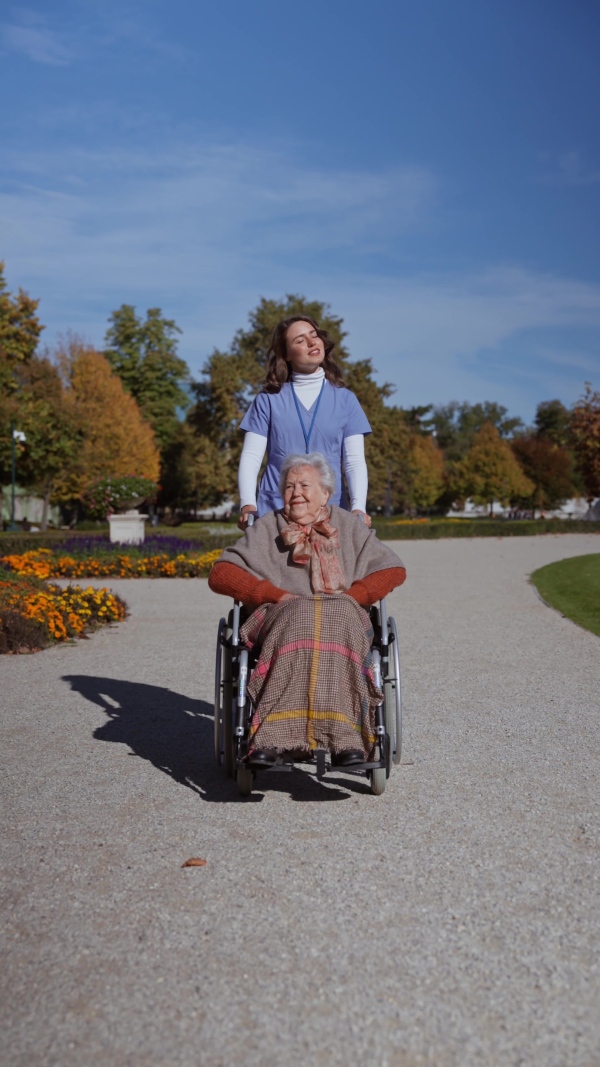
(45, 563)
(35, 614)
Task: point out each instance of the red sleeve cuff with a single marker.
(231, 580)
(375, 586)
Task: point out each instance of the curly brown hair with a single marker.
(278, 368)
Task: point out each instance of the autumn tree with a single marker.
(585, 438)
(53, 433)
(456, 425)
(144, 355)
(548, 466)
(386, 448)
(194, 470)
(222, 397)
(426, 472)
(116, 439)
(490, 471)
(20, 331)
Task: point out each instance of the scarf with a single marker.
(318, 545)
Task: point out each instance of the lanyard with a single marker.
(312, 422)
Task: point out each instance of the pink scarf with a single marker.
(317, 544)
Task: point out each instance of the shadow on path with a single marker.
(175, 734)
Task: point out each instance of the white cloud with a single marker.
(570, 170)
(205, 231)
(213, 217)
(474, 336)
(29, 35)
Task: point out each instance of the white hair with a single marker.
(312, 459)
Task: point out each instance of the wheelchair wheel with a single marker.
(219, 695)
(228, 740)
(244, 781)
(378, 781)
(392, 689)
(224, 753)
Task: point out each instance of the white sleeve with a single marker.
(357, 475)
(255, 446)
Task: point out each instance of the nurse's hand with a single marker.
(365, 518)
(243, 519)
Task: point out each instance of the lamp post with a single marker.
(16, 435)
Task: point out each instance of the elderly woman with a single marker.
(307, 572)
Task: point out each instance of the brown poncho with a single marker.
(313, 685)
(262, 553)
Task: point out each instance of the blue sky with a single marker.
(431, 169)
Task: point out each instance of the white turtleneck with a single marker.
(306, 388)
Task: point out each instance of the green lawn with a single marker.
(573, 588)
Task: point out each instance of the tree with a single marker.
(585, 436)
(386, 448)
(144, 355)
(427, 468)
(222, 398)
(20, 330)
(416, 418)
(116, 440)
(550, 469)
(195, 469)
(253, 343)
(38, 407)
(552, 422)
(490, 471)
(457, 424)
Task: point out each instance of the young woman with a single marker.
(303, 408)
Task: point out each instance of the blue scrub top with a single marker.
(274, 416)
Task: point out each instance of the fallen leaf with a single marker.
(194, 862)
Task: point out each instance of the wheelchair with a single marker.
(233, 707)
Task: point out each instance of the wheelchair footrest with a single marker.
(323, 767)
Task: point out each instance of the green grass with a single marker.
(573, 588)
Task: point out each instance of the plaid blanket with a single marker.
(313, 685)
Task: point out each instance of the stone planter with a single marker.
(127, 528)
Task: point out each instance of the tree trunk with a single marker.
(46, 505)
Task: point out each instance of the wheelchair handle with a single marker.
(251, 515)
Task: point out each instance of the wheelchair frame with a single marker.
(233, 707)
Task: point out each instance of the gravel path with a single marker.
(453, 921)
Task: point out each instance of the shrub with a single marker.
(395, 530)
(107, 495)
(34, 614)
(18, 633)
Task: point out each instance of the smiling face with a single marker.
(303, 495)
(305, 350)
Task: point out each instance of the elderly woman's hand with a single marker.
(362, 515)
(287, 596)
